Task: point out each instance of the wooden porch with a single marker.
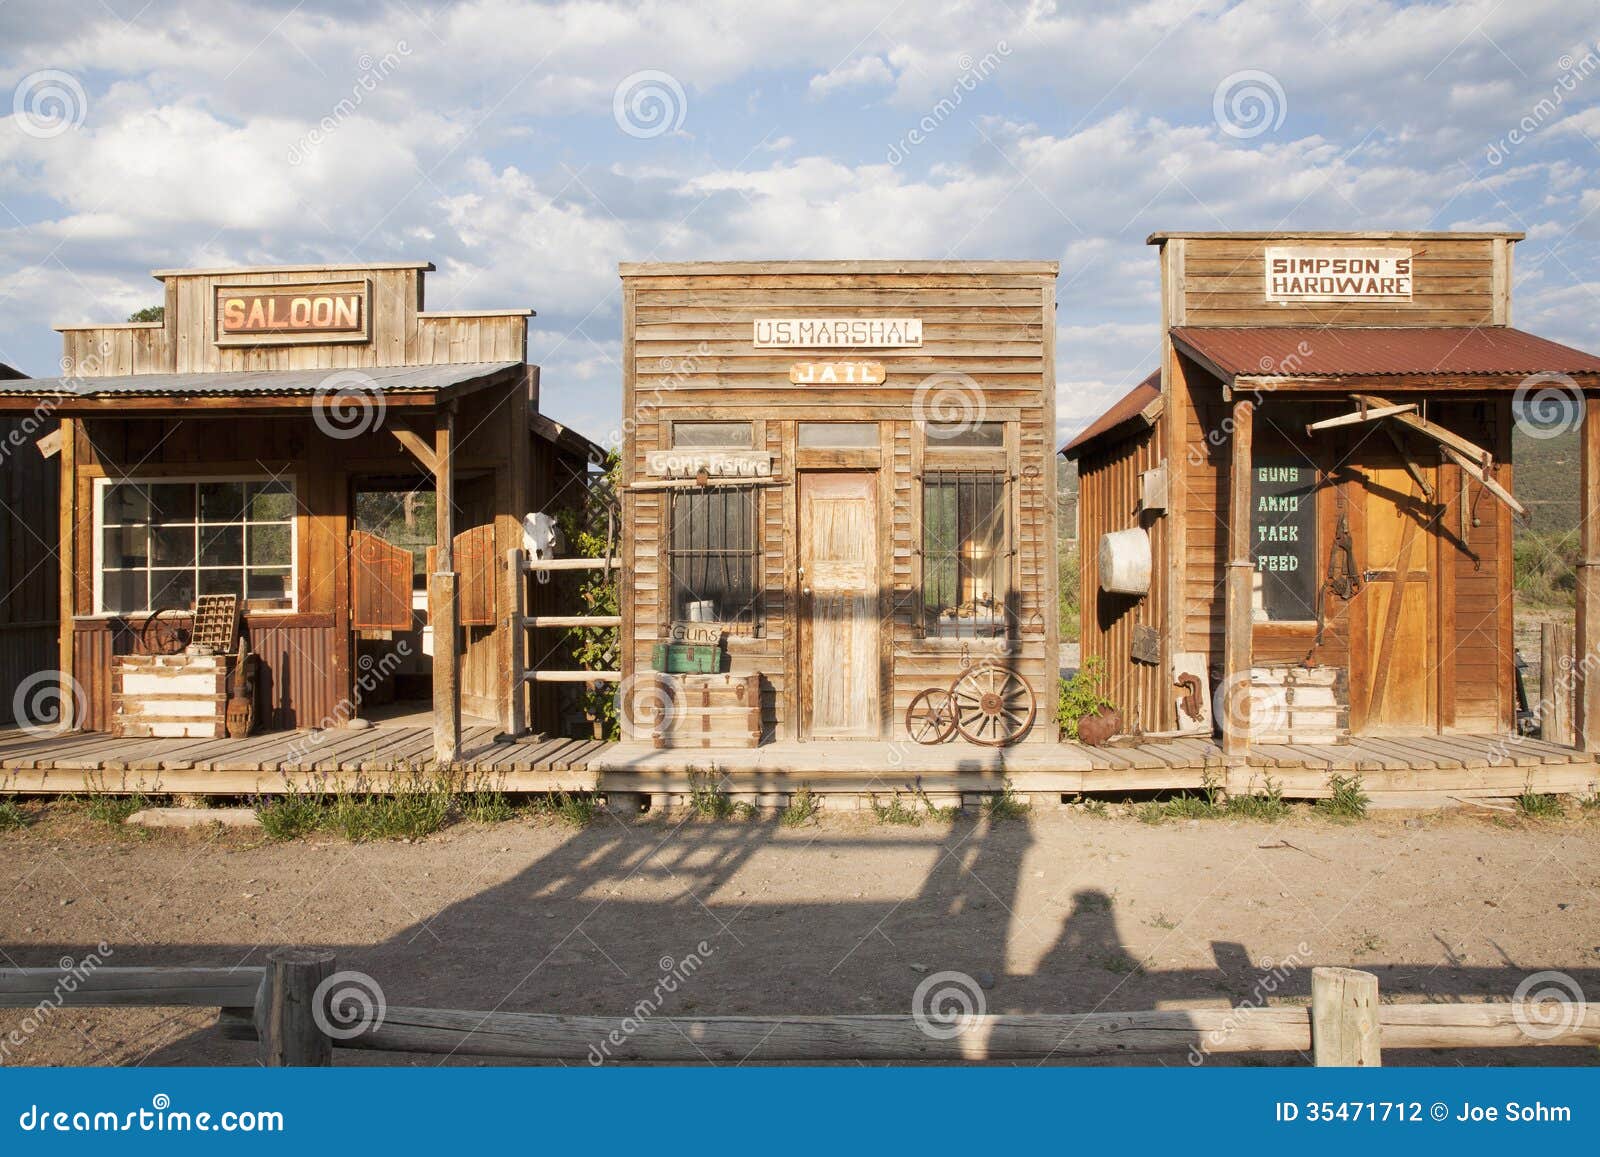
(1411, 771)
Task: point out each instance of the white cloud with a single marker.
(861, 72)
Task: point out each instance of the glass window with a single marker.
(712, 436)
(838, 435)
(164, 543)
(1283, 537)
(966, 552)
(714, 555)
(966, 435)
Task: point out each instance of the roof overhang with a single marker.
(1135, 411)
(1164, 235)
(1288, 359)
(211, 395)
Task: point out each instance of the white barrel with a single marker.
(1125, 562)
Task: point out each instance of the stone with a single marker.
(194, 817)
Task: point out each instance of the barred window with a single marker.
(714, 555)
(966, 552)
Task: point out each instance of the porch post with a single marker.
(1586, 642)
(442, 605)
(1241, 573)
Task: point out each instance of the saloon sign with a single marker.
(837, 332)
(1317, 273)
(292, 313)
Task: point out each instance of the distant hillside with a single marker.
(1545, 478)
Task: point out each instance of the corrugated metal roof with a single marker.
(255, 383)
(1320, 352)
(1127, 408)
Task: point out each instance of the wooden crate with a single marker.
(712, 711)
(170, 696)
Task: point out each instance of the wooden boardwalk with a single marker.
(1414, 768)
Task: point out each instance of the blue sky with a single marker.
(528, 148)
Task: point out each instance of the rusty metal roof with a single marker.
(1324, 352)
(257, 383)
(1130, 406)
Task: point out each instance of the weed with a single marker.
(1267, 804)
(1097, 808)
(1160, 921)
(1122, 964)
(1007, 805)
(1369, 943)
(484, 804)
(1590, 803)
(415, 806)
(1346, 800)
(291, 815)
(706, 796)
(1537, 806)
(1150, 812)
(896, 812)
(12, 817)
(114, 809)
(802, 809)
(1189, 807)
(576, 811)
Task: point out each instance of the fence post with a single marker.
(1344, 1018)
(287, 1032)
(1555, 684)
(516, 597)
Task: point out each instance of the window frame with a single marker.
(993, 464)
(97, 553)
(755, 625)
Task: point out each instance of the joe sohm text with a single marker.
(1509, 1113)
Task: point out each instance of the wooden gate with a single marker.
(474, 563)
(839, 605)
(380, 584)
(1400, 691)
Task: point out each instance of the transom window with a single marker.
(161, 543)
(714, 555)
(966, 554)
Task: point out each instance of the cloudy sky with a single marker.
(527, 148)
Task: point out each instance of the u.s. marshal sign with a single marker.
(1323, 273)
(792, 333)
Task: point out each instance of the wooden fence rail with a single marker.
(276, 1006)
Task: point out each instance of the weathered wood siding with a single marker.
(1110, 493)
(688, 354)
(30, 590)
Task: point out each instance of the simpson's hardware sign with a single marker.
(837, 332)
(284, 312)
(837, 373)
(1313, 273)
(712, 463)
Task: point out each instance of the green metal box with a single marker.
(686, 658)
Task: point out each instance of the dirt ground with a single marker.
(1064, 911)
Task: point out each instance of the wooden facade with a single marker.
(856, 442)
(29, 578)
(180, 399)
(1423, 644)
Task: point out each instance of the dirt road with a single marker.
(1065, 911)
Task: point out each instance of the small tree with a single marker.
(1082, 695)
(150, 313)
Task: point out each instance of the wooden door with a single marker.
(1401, 608)
(380, 584)
(839, 659)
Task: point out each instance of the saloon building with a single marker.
(1314, 496)
(347, 468)
(839, 499)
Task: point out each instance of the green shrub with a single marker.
(414, 806)
(1536, 806)
(114, 809)
(293, 814)
(1082, 695)
(1346, 800)
(1267, 804)
(1006, 805)
(802, 809)
(12, 817)
(578, 811)
(1545, 569)
(706, 797)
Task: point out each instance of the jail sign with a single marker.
(291, 313)
(1283, 530)
(1323, 273)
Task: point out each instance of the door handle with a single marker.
(805, 592)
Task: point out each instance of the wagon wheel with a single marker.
(161, 636)
(929, 718)
(994, 706)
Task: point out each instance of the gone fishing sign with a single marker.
(1314, 273)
